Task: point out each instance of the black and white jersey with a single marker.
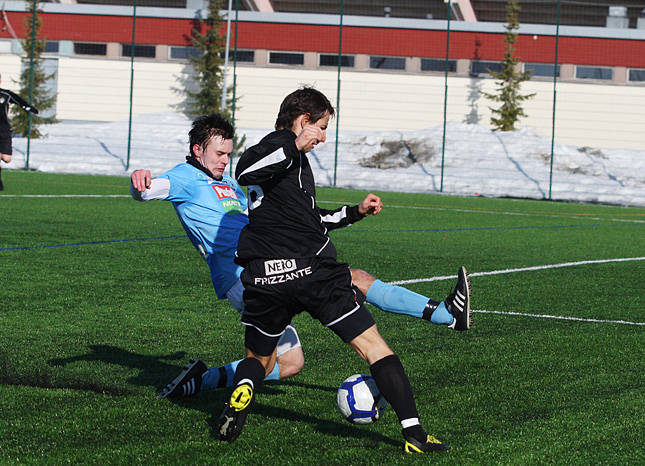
(284, 219)
(7, 97)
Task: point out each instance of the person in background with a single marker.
(7, 97)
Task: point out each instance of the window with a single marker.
(346, 61)
(436, 64)
(542, 69)
(484, 67)
(51, 47)
(588, 72)
(387, 63)
(140, 51)
(247, 56)
(183, 53)
(636, 75)
(86, 48)
(285, 58)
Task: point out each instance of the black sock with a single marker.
(223, 377)
(251, 371)
(392, 381)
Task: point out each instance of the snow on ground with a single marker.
(476, 161)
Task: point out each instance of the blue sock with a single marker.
(274, 374)
(211, 379)
(441, 315)
(396, 299)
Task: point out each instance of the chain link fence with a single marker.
(409, 93)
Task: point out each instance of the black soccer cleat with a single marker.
(231, 421)
(458, 301)
(188, 383)
(412, 445)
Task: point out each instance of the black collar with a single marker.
(192, 160)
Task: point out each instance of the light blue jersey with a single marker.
(212, 212)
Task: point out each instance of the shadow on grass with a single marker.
(214, 402)
(154, 371)
(367, 438)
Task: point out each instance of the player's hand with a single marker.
(309, 137)
(141, 180)
(372, 205)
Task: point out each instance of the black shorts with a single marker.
(277, 290)
(5, 143)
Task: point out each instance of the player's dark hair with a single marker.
(207, 127)
(305, 100)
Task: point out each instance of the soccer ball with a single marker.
(359, 400)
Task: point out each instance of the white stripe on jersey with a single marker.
(336, 217)
(275, 157)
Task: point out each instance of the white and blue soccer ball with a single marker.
(359, 400)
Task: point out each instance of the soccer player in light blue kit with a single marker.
(213, 209)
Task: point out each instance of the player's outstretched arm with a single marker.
(144, 188)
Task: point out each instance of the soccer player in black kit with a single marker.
(290, 267)
(7, 97)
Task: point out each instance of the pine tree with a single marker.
(40, 97)
(207, 38)
(508, 90)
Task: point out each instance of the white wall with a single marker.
(593, 115)
(94, 89)
(10, 70)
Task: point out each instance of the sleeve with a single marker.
(273, 155)
(159, 190)
(342, 217)
(16, 99)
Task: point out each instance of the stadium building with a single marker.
(393, 60)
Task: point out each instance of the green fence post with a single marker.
(445, 95)
(134, 20)
(555, 80)
(237, 11)
(31, 80)
(340, 56)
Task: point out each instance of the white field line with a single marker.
(524, 269)
(530, 269)
(476, 274)
(546, 316)
(520, 214)
(502, 212)
(451, 209)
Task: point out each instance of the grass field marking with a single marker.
(90, 243)
(523, 269)
(58, 182)
(505, 212)
(416, 207)
(521, 214)
(65, 195)
(546, 316)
